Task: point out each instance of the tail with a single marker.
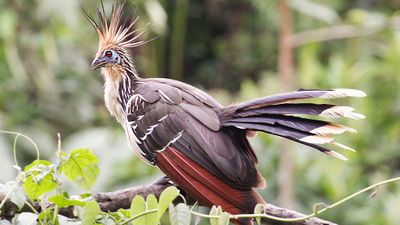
(274, 114)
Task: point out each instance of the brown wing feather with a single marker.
(205, 187)
(194, 130)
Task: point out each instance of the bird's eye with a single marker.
(108, 53)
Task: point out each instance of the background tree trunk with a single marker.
(286, 196)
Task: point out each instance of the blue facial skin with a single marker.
(114, 56)
(108, 57)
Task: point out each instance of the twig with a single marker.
(342, 32)
(112, 201)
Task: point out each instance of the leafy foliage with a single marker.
(90, 212)
(222, 217)
(40, 182)
(179, 214)
(138, 206)
(40, 179)
(151, 204)
(166, 198)
(81, 167)
(63, 200)
(259, 209)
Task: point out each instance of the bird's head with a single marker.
(116, 36)
(106, 58)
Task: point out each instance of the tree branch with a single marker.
(112, 201)
(287, 213)
(343, 31)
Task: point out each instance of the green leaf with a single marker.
(26, 218)
(224, 219)
(172, 212)
(81, 167)
(179, 215)
(259, 209)
(215, 211)
(166, 197)
(90, 212)
(124, 213)
(85, 195)
(40, 179)
(46, 214)
(138, 206)
(152, 203)
(223, 216)
(63, 201)
(37, 165)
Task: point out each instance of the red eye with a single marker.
(108, 53)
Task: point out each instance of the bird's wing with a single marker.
(191, 94)
(204, 186)
(163, 115)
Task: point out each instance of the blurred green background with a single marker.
(231, 49)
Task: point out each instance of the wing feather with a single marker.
(194, 130)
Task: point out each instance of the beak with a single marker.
(98, 62)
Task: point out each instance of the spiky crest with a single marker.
(116, 31)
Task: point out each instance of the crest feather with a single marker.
(116, 31)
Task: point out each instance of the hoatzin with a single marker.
(199, 144)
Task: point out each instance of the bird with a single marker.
(198, 143)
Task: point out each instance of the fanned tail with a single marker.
(275, 115)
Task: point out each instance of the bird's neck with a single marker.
(118, 89)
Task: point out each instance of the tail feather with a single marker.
(300, 94)
(322, 149)
(274, 115)
(345, 147)
(301, 137)
(283, 131)
(342, 111)
(324, 110)
(303, 124)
